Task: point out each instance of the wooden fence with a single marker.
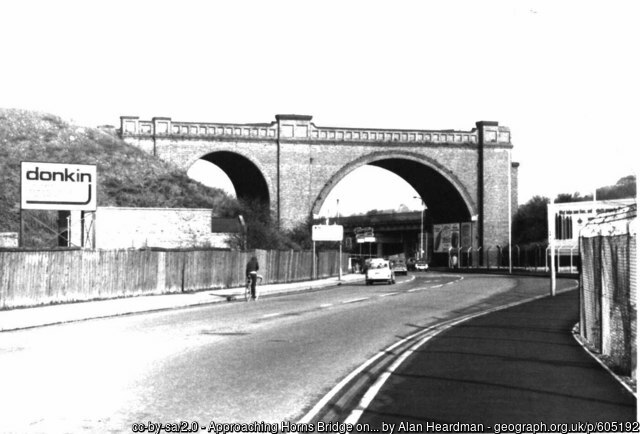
(44, 277)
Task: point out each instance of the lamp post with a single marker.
(421, 226)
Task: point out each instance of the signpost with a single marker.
(327, 233)
(56, 186)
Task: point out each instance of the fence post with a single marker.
(571, 260)
(546, 258)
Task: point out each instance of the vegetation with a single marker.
(128, 177)
(263, 231)
(624, 188)
(530, 221)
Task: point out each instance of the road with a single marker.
(270, 360)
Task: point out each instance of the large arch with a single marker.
(247, 179)
(446, 197)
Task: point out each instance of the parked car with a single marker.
(379, 270)
(398, 266)
(422, 266)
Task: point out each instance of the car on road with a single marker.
(421, 266)
(379, 270)
(399, 266)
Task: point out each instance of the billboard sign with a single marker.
(445, 236)
(57, 186)
(327, 233)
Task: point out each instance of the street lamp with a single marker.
(421, 226)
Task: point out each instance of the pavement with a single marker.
(22, 318)
(514, 366)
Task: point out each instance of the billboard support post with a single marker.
(551, 220)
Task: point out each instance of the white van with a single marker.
(379, 270)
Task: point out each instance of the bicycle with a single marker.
(247, 287)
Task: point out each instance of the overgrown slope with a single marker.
(127, 176)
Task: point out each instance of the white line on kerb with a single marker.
(368, 397)
(316, 408)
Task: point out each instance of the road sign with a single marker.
(364, 238)
(327, 233)
(58, 186)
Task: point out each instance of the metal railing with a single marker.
(533, 258)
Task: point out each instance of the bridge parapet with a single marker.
(299, 128)
(132, 126)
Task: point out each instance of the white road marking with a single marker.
(434, 330)
(270, 315)
(387, 294)
(437, 286)
(354, 300)
(326, 305)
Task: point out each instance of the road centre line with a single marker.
(271, 315)
(326, 305)
(388, 294)
(355, 300)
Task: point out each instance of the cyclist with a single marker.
(252, 273)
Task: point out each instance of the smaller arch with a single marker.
(249, 182)
(392, 162)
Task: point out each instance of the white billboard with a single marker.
(58, 186)
(327, 233)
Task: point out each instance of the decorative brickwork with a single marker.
(294, 164)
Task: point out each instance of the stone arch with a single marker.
(424, 174)
(249, 181)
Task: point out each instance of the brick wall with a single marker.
(8, 239)
(301, 163)
(117, 228)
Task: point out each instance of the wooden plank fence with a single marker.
(43, 277)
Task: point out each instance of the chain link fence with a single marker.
(608, 288)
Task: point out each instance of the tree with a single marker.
(567, 197)
(262, 230)
(624, 188)
(530, 221)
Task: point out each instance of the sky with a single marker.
(563, 76)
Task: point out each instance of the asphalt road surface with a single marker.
(515, 367)
(270, 360)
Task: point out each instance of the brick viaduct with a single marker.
(294, 164)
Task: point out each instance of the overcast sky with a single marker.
(562, 75)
